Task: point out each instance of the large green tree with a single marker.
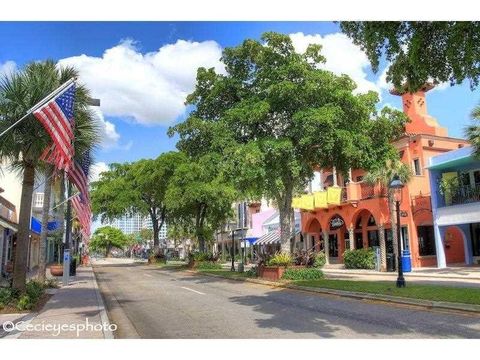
(137, 187)
(421, 51)
(199, 197)
(23, 145)
(275, 115)
(106, 238)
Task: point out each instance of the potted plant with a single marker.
(56, 269)
(275, 267)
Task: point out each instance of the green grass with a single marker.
(172, 265)
(415, 291)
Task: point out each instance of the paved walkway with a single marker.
(74, 311)
(455, 276)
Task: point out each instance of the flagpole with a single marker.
(40, 103)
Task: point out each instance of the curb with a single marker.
(107, 334)
(441, 305)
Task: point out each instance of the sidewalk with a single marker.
(454, 276)
(75, 311)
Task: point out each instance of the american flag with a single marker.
(78, 175)
(56, 116)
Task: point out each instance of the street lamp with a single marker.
(232, 250)
(396, 185)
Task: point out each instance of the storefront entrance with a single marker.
(333, 245)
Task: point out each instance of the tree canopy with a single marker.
(421, 51)
(106, 238)
(138, 187)
(199, 198)
(275, 115)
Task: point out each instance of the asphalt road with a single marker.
(148, 302)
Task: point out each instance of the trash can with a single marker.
(390, 262)
(73, 267)
(406, 261)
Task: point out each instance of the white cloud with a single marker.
(96, 169)
(109, 135)
(343, 57)
(147, 88)
(7, 68)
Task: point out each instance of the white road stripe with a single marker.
(195, 291)
(148, 275)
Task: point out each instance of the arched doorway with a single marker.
(337, 235)
(313, 237)
(365, 230)
(454, 243)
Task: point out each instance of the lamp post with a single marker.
(232, 251)
(397, 186)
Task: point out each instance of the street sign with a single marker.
(66, 255)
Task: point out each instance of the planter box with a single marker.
(272, 273)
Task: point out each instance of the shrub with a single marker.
(25, 303)
(280, 259)
(208, 265)
(252, 272)
(34, 290)
(359, 259)
(319, 260)
(203, 256)
(7, 296)
(304, 257)
(302, 274)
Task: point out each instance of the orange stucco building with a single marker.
(363, 217)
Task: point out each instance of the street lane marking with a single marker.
(148, 275)
(195, 291)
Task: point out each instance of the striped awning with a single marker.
(272, 238)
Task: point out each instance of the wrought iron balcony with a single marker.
(462, 195)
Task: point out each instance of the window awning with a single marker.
(8, 225)
(272, 238)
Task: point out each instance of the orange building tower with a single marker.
(362, 219)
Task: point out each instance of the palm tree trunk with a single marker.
(44, 233)
(61, 214)
(23, 237)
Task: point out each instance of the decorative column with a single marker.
(350, 175)
(383, 248)
(439, 245)
(321, 180)
(325, 247)
(334, 175)
(351, 235)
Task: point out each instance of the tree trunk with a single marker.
(285, 211)
(156, 241)
(23, 236)
(42, 266)
(391, 205)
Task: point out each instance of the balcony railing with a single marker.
(462, 195)
(368, 191)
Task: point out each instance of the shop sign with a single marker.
(336, 222)
(403, 213)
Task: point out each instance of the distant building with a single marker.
(135, 223)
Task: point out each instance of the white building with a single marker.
(133, 224)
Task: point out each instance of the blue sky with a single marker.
(142, 71)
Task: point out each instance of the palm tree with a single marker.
(383, 175)
(473, 131)
(23, 145)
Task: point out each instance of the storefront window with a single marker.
(373, 238)
(475, 236)
(426, 240)
(347, 240)
(358, 240)
(404, 235)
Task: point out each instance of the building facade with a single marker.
(455, 184)
(361, 217)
